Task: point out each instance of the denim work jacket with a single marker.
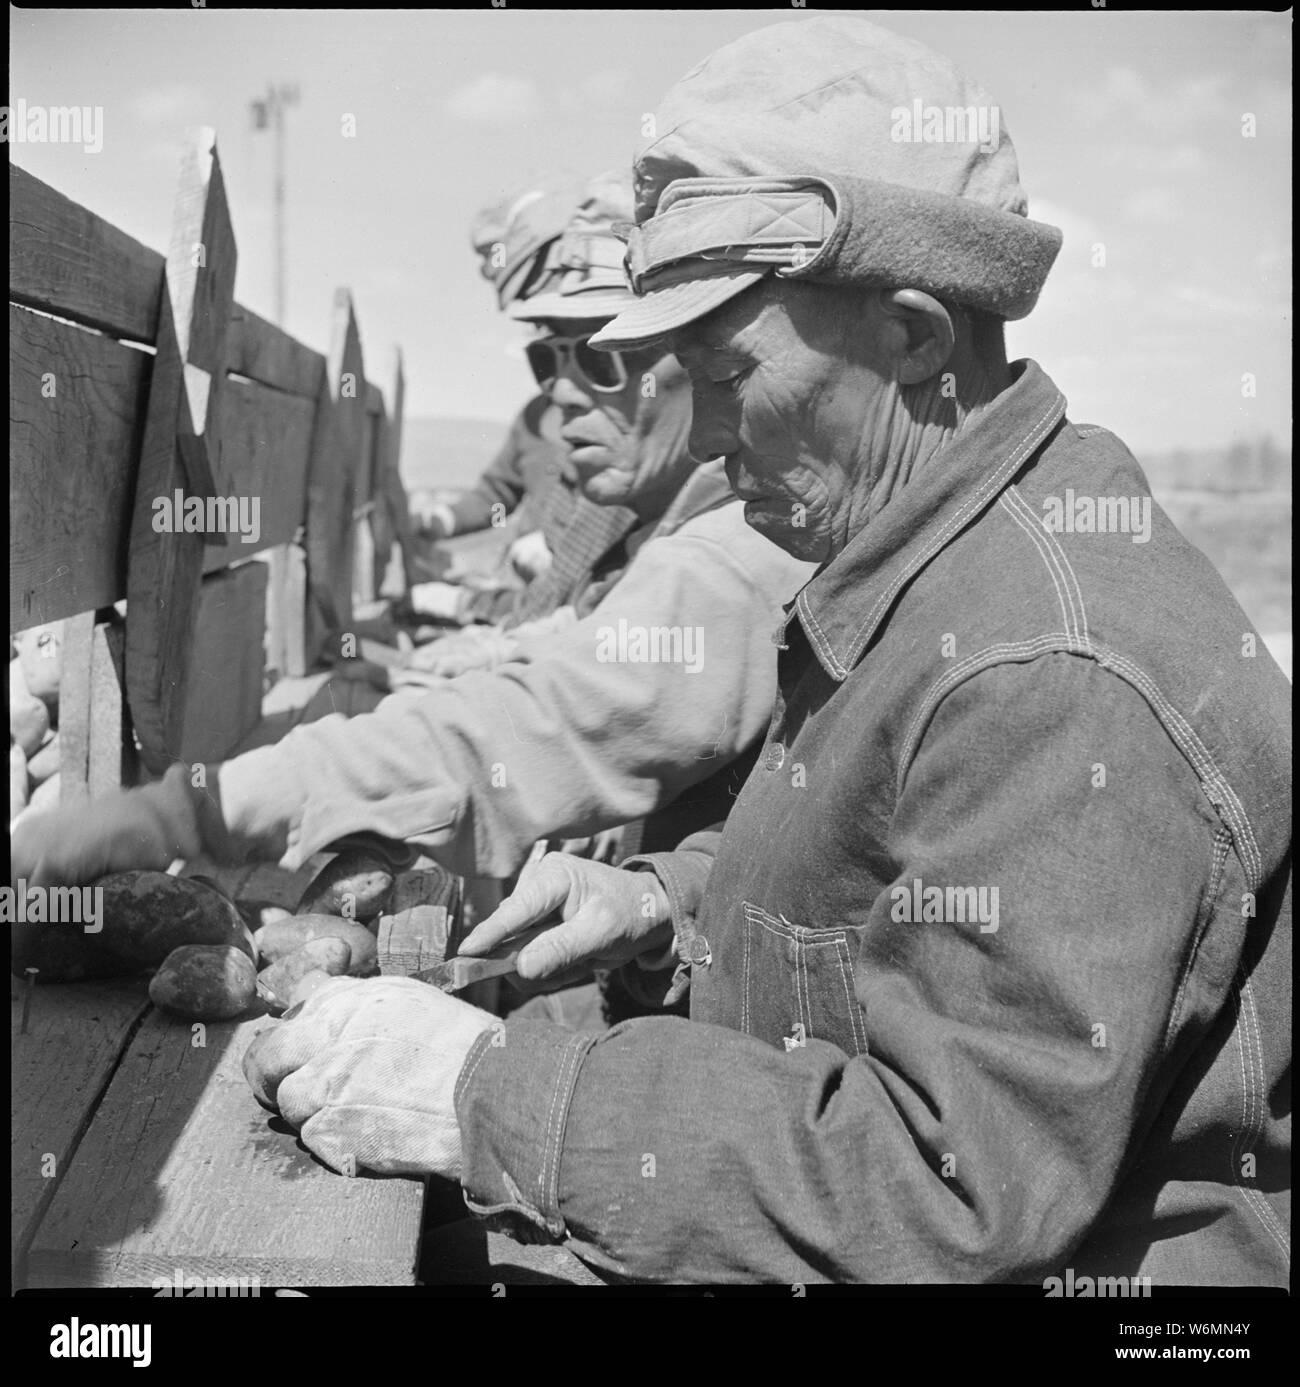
(991, 975)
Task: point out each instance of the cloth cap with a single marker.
(832, 150)
(588, 280)
(534, 221)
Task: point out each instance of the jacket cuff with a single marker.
(684, 876)
(512, 1103)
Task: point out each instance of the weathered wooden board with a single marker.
(338, 439)
(76, 400)
(397, 511)
(224, 699)
(420, 927)
(66, 260)
(181, 1169)
(96, 750)
(267, 354)
(286, 609)
(179, 451)
(265, 445)
(75, 1034)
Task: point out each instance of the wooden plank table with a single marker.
(138, 1151)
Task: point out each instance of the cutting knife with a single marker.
(453, 974)
(457, 973)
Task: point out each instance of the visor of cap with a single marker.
(664, 310)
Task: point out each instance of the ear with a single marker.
(930, 336)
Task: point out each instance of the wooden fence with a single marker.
(135, 376)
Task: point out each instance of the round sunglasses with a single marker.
(604, 372)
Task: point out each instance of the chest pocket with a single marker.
(798, 983)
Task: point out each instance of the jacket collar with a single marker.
(844, 604)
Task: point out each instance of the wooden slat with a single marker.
(396, 527)
(184, 398)
(74, 706)
(224, 700)
(181, 1169)
(72, 458)
(96, 751)
(267, 354)
(66, 260)
(75, 1035)
(265, 446)
(420, 927)
(112, 762)
(337, 442)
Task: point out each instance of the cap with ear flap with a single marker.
(489, 226)
(589, 279)
(832, 150)
(533, 223)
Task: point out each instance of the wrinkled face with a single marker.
(619, 444)
(790, 394)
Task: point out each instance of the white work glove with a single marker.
(529, 555)
(445, 601)
(367, 1070)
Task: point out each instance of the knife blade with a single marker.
(457, 973)
(452, 974)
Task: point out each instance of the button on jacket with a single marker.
(991, 974)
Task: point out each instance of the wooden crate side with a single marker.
(96, 750)
(179, 452)
(65, 260)
(226, 662)
(76, 400)
(267, 354)
(265, 449)
(338, 439)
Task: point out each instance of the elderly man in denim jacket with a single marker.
(989, 968)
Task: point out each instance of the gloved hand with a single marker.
(608, 917)
(431, 517)
(445, 601)
(144, 829)
(529, 555)
(477, 647)
(367, 1070)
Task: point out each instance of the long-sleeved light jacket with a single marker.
(990, 968)
(521, 476)
(587, 728)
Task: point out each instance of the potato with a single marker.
(355, 885)
(17, 780)
(259, 913)
(64, 953)
(148, 914)
(283, 937)
(45, 762)
(29, 719)
(45, 795)
(329, 955)
(143, 917)
(40, 651)
(205, 982)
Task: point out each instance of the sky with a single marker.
(1128, 128)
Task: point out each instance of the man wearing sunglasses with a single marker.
(526, 481)
(625, 422)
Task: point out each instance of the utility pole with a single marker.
(269, 112)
